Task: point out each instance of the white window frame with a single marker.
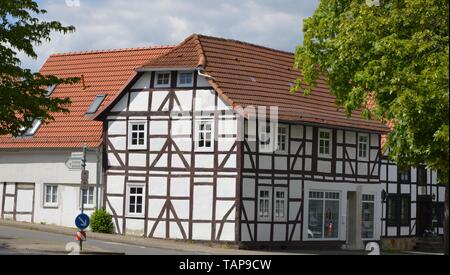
(87, 205)
(374, 211)
(285, 203)
(366, 143)
(51, 204)
(286, 138)
(162, 85)
(179, 84)
(330, 144)
(323, 200)
(269, 200)
(129, 187)
(198, 133)
(131, 146)
(263, 134)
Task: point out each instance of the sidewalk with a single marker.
(215, 249)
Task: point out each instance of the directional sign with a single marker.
(82, 221)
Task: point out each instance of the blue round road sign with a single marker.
(82, 221)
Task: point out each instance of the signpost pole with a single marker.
(82, 188)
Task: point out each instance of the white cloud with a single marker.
(106, 24)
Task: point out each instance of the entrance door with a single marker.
(424, 214)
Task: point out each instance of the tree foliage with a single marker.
(23, 94)
(394, 54)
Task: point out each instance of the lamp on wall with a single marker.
(433, 197)
(383, 195)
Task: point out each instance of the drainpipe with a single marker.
(98, 153)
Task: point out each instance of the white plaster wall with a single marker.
(45, 167)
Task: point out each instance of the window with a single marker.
(325, 143)
(137, 136)
(422, 176)
(280, 205)
(363, 146)
(399, 210)
(404, 177)
(264, 204)
(51, 196)
(282, 138)
(265, 137)
(163, 80)
(405, 214)
(50, 90)
(185, 79)
(96, 104)
(323, 215)
(204, 135)
(29, 132)
(135, 200)
(87, 197)
(438, 214)
(368, 216)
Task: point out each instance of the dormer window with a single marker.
(185, 79)
(96, 104)
(162, 80)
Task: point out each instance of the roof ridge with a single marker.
(243, 43)
(112, 50)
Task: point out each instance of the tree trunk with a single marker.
(446, 239)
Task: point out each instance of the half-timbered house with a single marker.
(188, 157)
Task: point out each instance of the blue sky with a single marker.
(109, 24)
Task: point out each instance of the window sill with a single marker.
(50, 206)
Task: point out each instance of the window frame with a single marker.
(52, 204)
(371, 202)
(285, 202)
(137, 147)
(399, 176)
(179, 84)
(199, 131)
(163, 85)
(323, 198)
(269, 199)
(330, 143)
(265, 147)
(398, 219)
(286, 138)
(422, 172)
(87, 205)
(367, 147)
(128, 200)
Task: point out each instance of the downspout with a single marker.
(99, 175)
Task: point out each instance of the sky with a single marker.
(111, 24)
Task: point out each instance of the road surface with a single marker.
(16, 241)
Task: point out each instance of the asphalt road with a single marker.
(49, 243)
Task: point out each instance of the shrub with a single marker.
(101, 222)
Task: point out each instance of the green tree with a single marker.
(23, 94)
(389, 58)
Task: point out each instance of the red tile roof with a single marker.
(251, 75)
(105, 72)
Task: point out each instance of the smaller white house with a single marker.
(39, 179)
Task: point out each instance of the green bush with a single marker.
(101, 222)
